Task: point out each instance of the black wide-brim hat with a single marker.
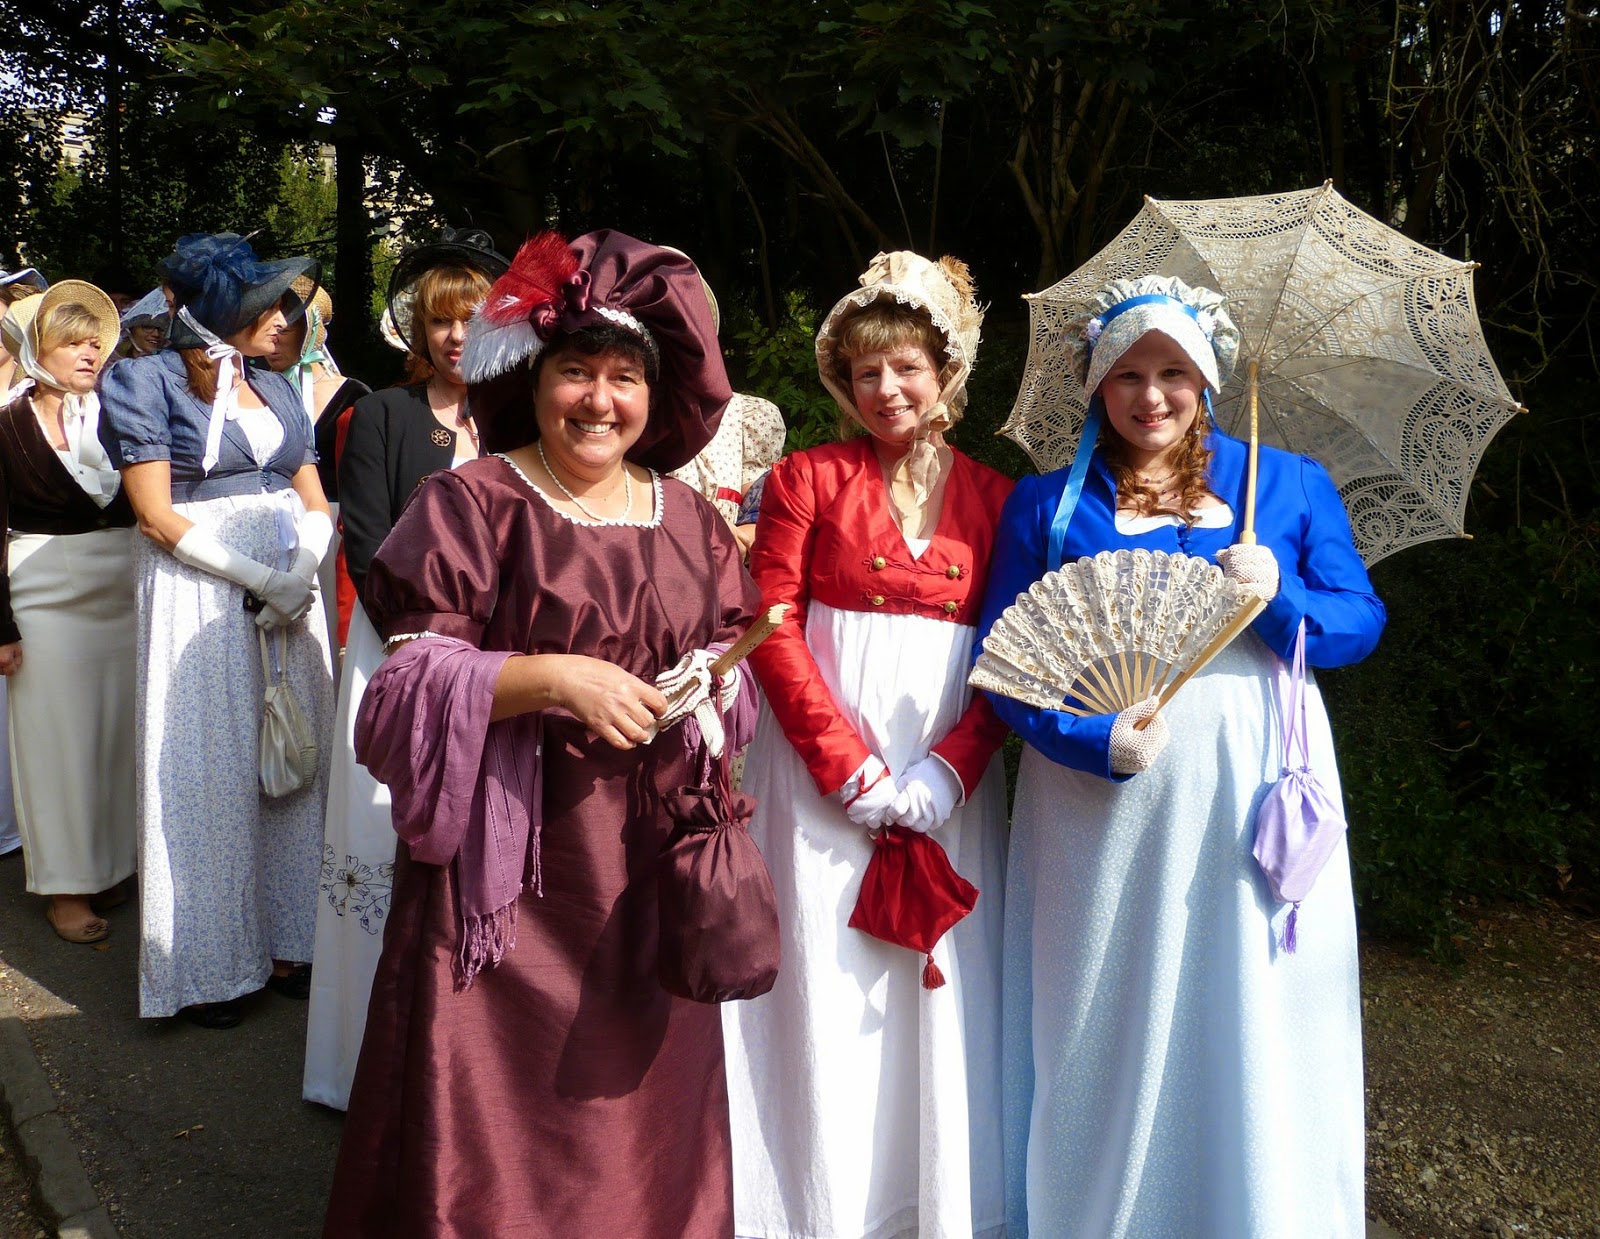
(471, 248)
(219, 280)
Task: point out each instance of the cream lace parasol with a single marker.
(1370, 356)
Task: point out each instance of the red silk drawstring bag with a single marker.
(911, 895)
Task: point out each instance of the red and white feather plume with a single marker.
(505, 332)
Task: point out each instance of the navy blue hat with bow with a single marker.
(225, 287)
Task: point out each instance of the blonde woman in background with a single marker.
(66, 596)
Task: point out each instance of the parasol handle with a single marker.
(763, 627)
(1248, 534)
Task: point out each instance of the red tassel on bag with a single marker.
(910, 895)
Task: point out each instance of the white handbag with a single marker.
(288, 748)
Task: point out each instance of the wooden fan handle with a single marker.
(764, 626)
(1218, 643)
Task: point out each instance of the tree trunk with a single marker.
(1336, 135)
(351, 331)
(113, 130)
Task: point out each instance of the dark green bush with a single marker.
(1467, 742)
(781, 365)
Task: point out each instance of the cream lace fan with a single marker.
(1102, 634)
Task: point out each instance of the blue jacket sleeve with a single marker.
(1324, 581)
(1019, 561)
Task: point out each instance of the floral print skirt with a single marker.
(228, 877)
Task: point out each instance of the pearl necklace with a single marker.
(627, 508)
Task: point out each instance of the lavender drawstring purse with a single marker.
(1300, 822)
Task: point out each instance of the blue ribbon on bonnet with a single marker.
(1090, 434)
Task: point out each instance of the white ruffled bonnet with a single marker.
(943, 293)
(1115, 317)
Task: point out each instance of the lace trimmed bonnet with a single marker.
(1114, 318)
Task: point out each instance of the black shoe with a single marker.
(296, 984)
(213, 1014)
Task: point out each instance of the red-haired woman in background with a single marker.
(396, 438)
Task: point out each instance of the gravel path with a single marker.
(1483, 1083)
(1483, 1088)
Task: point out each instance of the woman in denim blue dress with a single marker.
(217, 460)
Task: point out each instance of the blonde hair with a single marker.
(883, 327)
(65, 324)
(440, 292)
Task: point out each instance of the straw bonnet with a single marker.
(318, 311)
(24, 317)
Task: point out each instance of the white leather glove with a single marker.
(932, 791)
(1133, 751)
(687, 688)
(870, 797)
(313, 537)
(1252, 565)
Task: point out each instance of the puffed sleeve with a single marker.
(1019, 561)
(439, 570)
(134, 405)
(1326, 585)
(366, 513)
(780, 562)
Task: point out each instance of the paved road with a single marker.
(184, 1131)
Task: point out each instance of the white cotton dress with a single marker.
(851, 1088)
(353, 889)
(72, 708)
(10, 836)
(1188, 1078)
(228, 877)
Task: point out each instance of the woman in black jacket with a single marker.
(395, 439)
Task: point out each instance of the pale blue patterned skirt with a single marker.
(228, 877)
(1169, 1070)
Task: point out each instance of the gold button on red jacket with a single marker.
(826, 534)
